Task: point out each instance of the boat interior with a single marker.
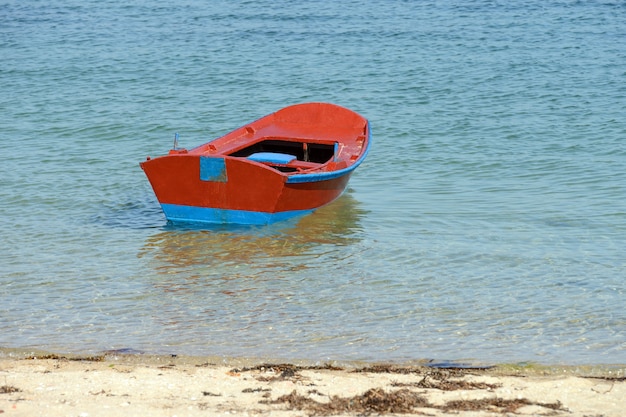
(288, 155)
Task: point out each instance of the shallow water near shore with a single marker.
(487, 224)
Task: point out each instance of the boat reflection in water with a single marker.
(228, 252)
(266, 291)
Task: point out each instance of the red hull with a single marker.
(291, 161)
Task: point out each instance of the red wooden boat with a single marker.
(283, 165)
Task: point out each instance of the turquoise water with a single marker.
(487, 224)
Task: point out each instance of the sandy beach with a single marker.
(137, 385)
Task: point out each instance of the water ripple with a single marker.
(486, 224)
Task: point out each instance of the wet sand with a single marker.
(140, 385)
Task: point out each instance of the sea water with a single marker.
(487, 224)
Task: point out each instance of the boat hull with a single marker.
(236, 192)
(212, 185)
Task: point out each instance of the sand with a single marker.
(138, 385)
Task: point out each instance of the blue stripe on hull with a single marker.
(190, 214)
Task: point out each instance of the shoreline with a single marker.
(58, 385)
(130, 356)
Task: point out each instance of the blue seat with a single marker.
(271, 157)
